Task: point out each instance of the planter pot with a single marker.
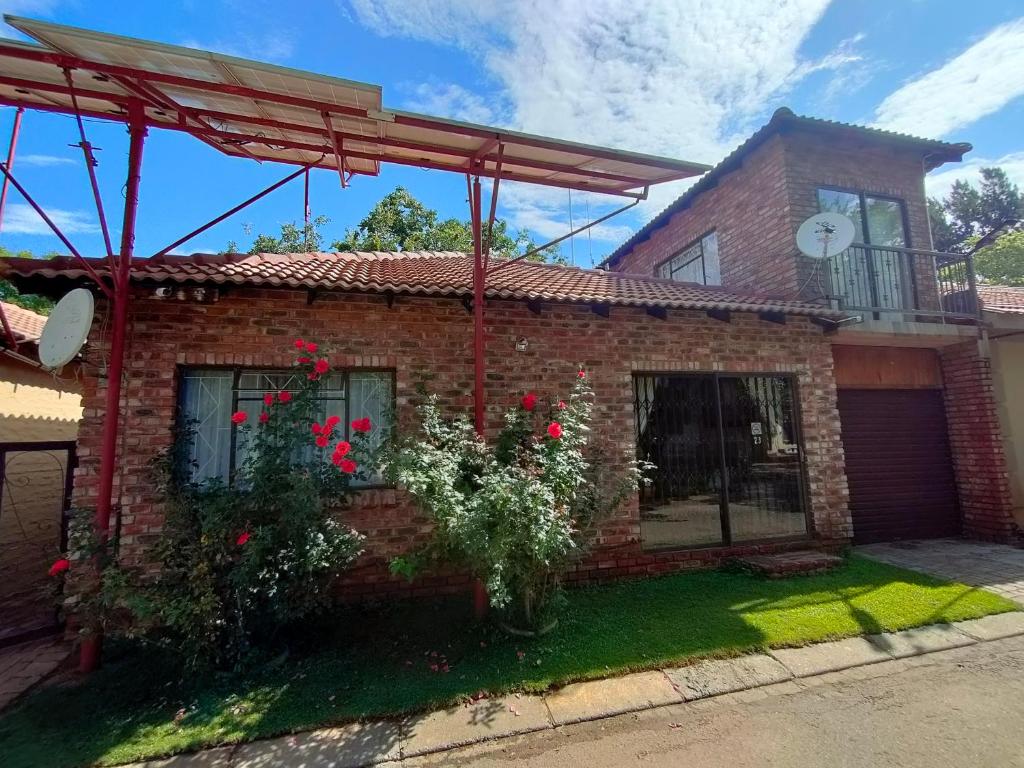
(517, 632)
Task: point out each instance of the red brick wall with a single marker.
(757, 209)
(976, 442)
(748, 208)
(434, 337)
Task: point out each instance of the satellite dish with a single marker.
(66, 329)
(824, 234)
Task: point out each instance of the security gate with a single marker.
(35, 494)
(728, 459)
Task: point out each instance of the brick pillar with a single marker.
(974, 435)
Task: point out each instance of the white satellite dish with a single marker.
(824, 234)
(66, 329)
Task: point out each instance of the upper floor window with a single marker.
(696, 263)
(208, 397)
(877, 220)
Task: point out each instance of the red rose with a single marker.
(529, 401)
(561, 405)
(311, 347)
(242, 538)
(284, 397)
(332, 422)
(322, 441)
(264, 417)
(60, 566)
(342, 448)
(299, 344)
(321, 366)
(555, 430)
(268, 399)
(315, 428)
(312, 376)
(304, 359)
(581, 374)
(239, 417)
(362, 425)
(347, 466)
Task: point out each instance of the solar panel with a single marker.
(278, 114)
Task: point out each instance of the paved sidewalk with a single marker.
(998, 568)
(756, 675)
(25, 664)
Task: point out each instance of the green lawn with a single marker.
(378, 662)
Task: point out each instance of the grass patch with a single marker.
(378, 662)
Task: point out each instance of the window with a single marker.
(208, 397)
(865, 277)
(696, 263)
(700, 428)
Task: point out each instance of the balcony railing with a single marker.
(887, 279)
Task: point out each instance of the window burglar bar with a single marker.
(700, 428)
(209, 396)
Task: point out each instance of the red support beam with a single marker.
(336, 145)
(479, 278)
(494, 207)
(91, 649)
(55, 229)
(236, 209)
(90, 167)
(15, 130)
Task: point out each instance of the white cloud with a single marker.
(276, 46)
(978, 82)
(454, 101)
(683, 78)
(21, 219)
(938, 183)
(43, 161)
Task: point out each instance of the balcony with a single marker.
(903, 285)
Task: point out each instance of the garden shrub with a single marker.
(240, 560)
(514, 514)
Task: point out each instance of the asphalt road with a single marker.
(944, 710)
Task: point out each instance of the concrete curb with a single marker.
(364, 744)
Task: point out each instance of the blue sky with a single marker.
(684, 79)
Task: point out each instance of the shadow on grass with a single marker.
(412, 657)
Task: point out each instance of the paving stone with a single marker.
(913, 642)
(615, 696)
(829, 657)
(348, 746)
(480, 721)
(994, 627)
(715, 677)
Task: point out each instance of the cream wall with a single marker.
(1008, 379)
(34, 407)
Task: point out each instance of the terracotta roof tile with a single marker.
(26, 324)
(423, 273)
(1002, 299)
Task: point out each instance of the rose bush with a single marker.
(241, 560)
(514, 514)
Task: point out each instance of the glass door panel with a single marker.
(677, 430)
(885, 228)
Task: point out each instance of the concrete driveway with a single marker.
(996, 567)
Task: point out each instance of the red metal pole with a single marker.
(478, 312)
(15, 130)
(91, 651)
(479, 277)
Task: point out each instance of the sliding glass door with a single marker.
(727, 457)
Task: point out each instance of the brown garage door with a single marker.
(898, 464)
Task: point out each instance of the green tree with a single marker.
(399, 222)
(12, 295)
(970, 212)
(1002, 262)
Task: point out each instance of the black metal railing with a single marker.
(877, 279)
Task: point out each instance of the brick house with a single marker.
(210, 334)
(920, 429)
(770, 390)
